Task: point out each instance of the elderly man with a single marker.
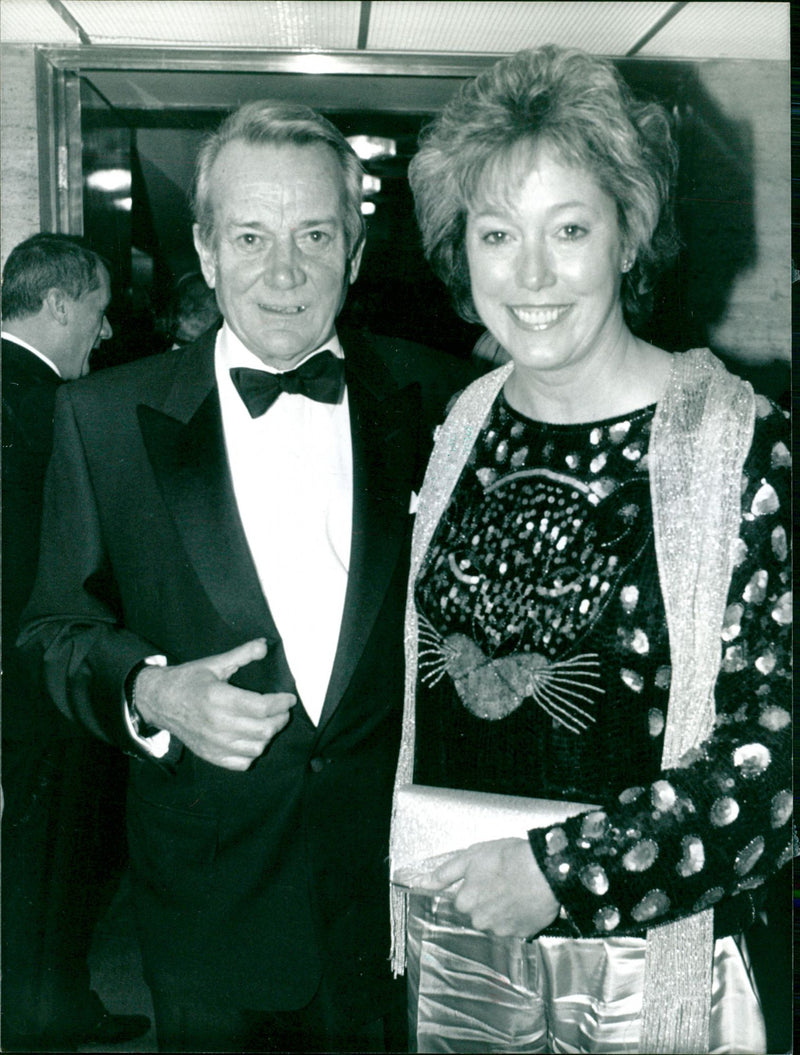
(55, 295)
(230, 606)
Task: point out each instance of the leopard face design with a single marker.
(521, 578)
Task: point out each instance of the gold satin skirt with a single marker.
(472, 992)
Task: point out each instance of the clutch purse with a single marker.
(432, 823)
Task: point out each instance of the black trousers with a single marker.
(63, 847)
(193, 1024)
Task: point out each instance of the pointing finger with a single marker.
(225, 665)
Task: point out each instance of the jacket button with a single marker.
(317, 765)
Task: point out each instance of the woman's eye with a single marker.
(571, 232)
(495, 237)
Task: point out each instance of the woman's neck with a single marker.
(624, 379)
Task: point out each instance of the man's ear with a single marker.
(355, 262)
(57, 305)
(206, 256)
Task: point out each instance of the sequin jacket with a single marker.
(544, 668)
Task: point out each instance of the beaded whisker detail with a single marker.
(493, 688)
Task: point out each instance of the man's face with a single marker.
(277, 258)
(88, 326)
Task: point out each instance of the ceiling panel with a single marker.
(698, 30)
(316, 24)
(453, 26)
(726, 31)
(32, 22)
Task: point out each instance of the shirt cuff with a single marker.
(155, 744)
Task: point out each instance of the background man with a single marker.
(240, 511)
(57, 782)
(192, 311)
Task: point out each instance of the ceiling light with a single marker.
(368, 147)
(110, 180)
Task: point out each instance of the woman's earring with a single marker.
(626, 265)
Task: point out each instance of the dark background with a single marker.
(150, 245)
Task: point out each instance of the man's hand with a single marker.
(501, 888)
(218, 722)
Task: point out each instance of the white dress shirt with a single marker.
(292, 471)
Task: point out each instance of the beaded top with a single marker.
(545, 667)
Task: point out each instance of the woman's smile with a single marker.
(541, 318)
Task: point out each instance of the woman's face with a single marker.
(545, 261)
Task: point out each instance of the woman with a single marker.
(599, 604)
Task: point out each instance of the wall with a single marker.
(19, 172)
(756, 324)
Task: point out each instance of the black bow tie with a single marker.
(320, 378)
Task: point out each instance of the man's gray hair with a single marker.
(269, 121)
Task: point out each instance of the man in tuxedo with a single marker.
(236, 518)
(55, 295)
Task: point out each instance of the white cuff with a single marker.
(157, 745)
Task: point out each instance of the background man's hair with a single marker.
(44, 262)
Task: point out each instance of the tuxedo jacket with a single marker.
(29, 394)
(247, 884)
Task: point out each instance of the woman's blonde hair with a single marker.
(579, 106)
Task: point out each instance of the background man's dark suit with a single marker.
(29, 395)
(51, 769)
(282, 868)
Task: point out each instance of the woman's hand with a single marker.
(502, 889)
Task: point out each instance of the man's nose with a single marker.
(284, 268)
(534, 270)
(105, 330)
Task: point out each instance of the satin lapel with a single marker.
(384, 422)
(186, 447)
